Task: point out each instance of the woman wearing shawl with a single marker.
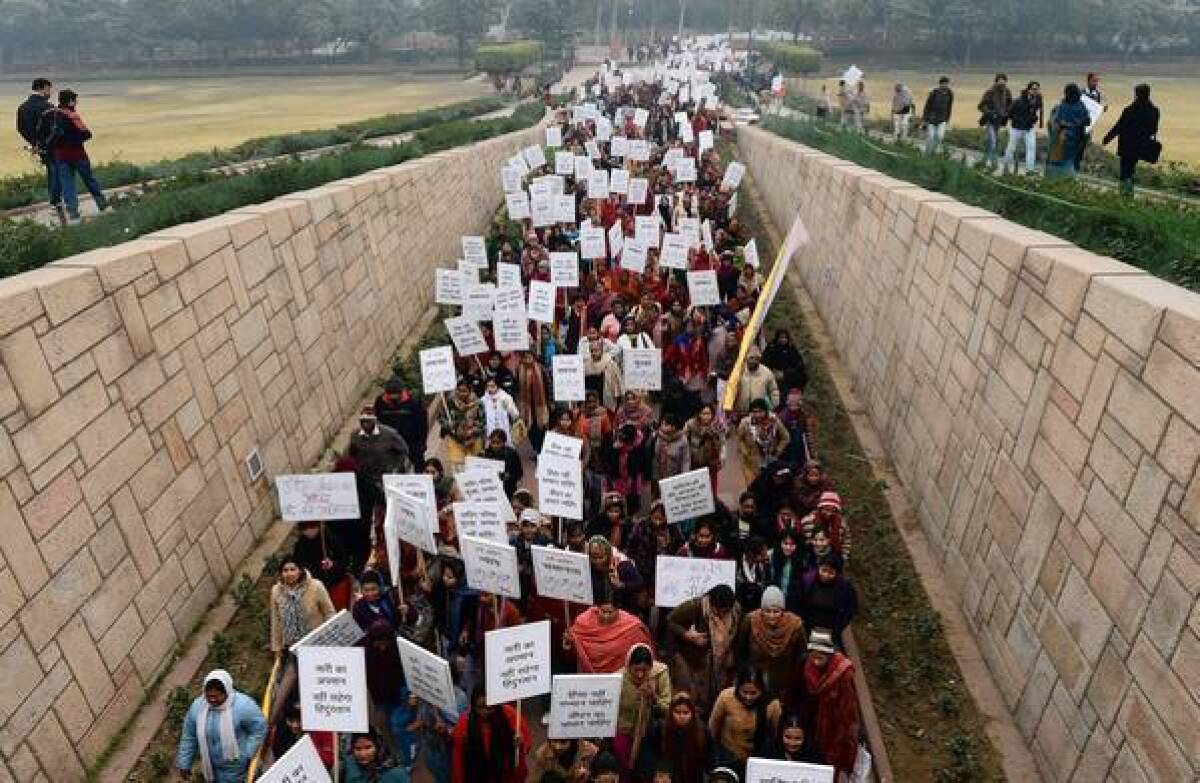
(568, 759)
(706, 439)
(679, 743)
(829, 683)
(299, 604)
(634, 410)
(224, 727)
(772, 639)
(487, 745)
(533, 404)
(613, 573)
(627, 464)
(602, 375)
(1068, 127)
(645, 698)
(702, 631)
(602, 636)
(462, 424)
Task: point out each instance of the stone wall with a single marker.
(135, 380)
(1041, 405)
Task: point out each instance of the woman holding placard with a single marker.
(487, 745)
(645, 698)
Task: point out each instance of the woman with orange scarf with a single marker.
(602, 636)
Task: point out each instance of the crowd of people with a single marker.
(752, 668)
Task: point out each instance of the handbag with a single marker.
(1153, 151)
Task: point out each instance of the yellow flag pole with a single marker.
(797, 235)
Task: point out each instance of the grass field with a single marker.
(145, 120)
(1174, 90)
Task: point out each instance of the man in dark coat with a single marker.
(399, 408)
(936, 114)
(994, 107)
(35, 119)
(1135, 132)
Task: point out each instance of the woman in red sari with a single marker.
(829, 682)
(602, 636)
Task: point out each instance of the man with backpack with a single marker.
(35, 118)
(70, 134)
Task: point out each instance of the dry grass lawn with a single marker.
(144, 120)
(1174, 89)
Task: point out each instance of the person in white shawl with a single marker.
(601, 374)
(499, 410)
(224, 727)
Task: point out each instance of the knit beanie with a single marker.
(772, 598)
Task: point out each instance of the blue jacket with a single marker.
(249, 727)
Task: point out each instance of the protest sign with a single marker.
(553, 136)
(591, 242)
(509, 300)
(685, 170)
(618, 146)
(437, 370)
(466, 336)
(478, 301)
(690, 228)
(564, 269)
(618, 181)
(642, 368)
(707, 234)
(415, 485)
(541, 301)
(687, 496)
(484, 486)
(733, 175)
(476, 464)
(517, 204)
(428, 675)
(564, 163)
(772, 771)
(517, 662)
(638, 187)
(564, 209)
(556, 444)
(301, 764)
(534, 156)
(750, 253)
(413, 521)
(679, 579)
(480, 520)
(674, 251)
(583, 167)
(567, 377)
(510, 179)
(510, 331)
(597, 184)
(584, 706)
(562, 574)
(475, 250)
(702, 288)
(341, 630)
(633, 255)
(639, 150)
(508, 276)
(616, 238)
(448, 287)
(333, 689)
(852, 75)
(519, 163)
(560, 487)
(645, 228)
(640, 116)
(312, 497)
(542, 208)
(706, 140)
(490, 566)
(469, 273)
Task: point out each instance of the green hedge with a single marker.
(25, 189)
(505, 58)
(793, 59)
(26, 245)
(1160, 237)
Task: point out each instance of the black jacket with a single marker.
(1026, 112)
(406, 415)
(938, 105)
(29, 117)
(1134, 130)
(994, 105)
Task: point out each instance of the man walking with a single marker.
(902, 109)
(70, 134)
(936, 114)
(35, 118)
(1027, 116)
(994, 107)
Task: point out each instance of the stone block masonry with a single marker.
(1042, 406)
(134, 381)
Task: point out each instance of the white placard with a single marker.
(591, 242)
(313, 497)
(642, 368)
(633, 255)
(638, 187)
(517, 204)
(553, 136)
(560, 487)
(687, 496)
(678, 579)
(564, 163)
(534, 156)
(583, 167)
(618, 181)
(750, 253)
(706, 140)
(476, 464)
(510, 179)
(567, 377)
(415, 485)
(468, 271)
(428, 675)
(491, 567)
(541, 301)
(518, 162)
(564, 209)
(478, 301)
(448, 287)
(584, 705)
(556, 444)
(564, 269)
(301, 764)
(562, 574)
(510, 331)
(597, 184)
(646, 229)
(475, 250)
(593, 150)
(466, 336)
(733, 205)
(616, 238)
(639, 150)
(618, 146)
(733, 175)
(542, 208)
(685, 169)
(640, 116)
(707, 234)
(674, 251)
(412, 521)
(437, 370)
(517, 662)
(603, 128)
(509, 300)
(702, 288)
(484, 486)
(508, 276)
(333, 689)
(341, 630)
(480, 520)
(771, 771)
(690, 229)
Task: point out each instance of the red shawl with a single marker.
(601, 649)
(837, 710)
